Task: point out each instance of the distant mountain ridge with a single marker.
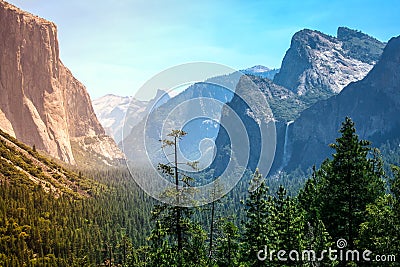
(316, 67)
(180, 107)
(111, 111)
(261, 71)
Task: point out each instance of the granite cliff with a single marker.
(316, 66)
(41, 102)
(320, 65)
(373, 103)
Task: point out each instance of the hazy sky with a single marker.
(115, 46)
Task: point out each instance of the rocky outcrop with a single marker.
(41, 102)
(321, 65)
(373, 103)
(285, 104)
(359, 45)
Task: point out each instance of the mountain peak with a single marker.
(359, 45)
(373, 103)
(24, 15)
(322, 65)
(258, 69)
(310, 33)
(392, 50)
(344, 33)
(161, 93)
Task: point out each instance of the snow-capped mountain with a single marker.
(111, 110)
(261, 71)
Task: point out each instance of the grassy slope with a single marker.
(22, 165)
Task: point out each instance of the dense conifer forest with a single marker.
(108, 221)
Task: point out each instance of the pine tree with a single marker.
(316, 236)
(227, 244)
(289, 225)
(380, 232)
(176, 238)
(395, 189)
(347, 184)
(257, 226)
(213, 207)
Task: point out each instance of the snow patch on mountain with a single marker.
(111, 109)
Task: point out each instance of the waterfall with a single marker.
(285, 157)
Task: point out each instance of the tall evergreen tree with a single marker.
(316, 236)
(347, 184)
(380, 232)
(176, 238)
(257, 226)
(395, 189)
(213, 208)
(289, 225)
(227, 244)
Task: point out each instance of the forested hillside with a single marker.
(106, 219)
(50, 216)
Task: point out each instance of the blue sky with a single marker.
(116, 46)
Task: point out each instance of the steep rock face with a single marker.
(373, 103)
(315, 67)
(321, 65)
(42, 104)
(284, 104)
(81, 118)
(193, 108)
(250, 105)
